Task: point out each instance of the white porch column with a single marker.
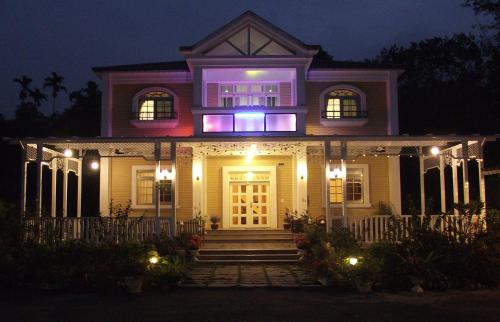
(198, 172)
(24, 171)
(173, 158)
(343, 165)
(442, 183)
(454, 173)
(53, 201)
(395, 183)
(157, 179)
(104, 186)
(79, 189)
(482, 190)
(465, 170)
(422, 180)
(301, 192)
(326, 154)
(65, 189)
(39, 178)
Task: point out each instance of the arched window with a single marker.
(154, 104)
(342, 103)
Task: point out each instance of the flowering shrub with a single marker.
(193, 242)
(302, 242)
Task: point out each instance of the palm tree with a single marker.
(37, 97)
(54, 82)
(25, 82)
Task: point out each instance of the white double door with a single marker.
(249, 204)
(249, 199)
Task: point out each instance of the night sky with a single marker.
(69, 37)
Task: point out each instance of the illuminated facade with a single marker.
(249, 126)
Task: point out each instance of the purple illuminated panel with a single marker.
(217, 123)
(249, 122)
(281, 122)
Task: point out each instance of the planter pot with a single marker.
(302, 254)
(287, 226)
(364, 287)
(214, 226)
(325, 281)
(193, 253)
(417, 288)
(133, 284)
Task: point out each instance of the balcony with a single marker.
(344, 118)
(154, 119)
(249, 121)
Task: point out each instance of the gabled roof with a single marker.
(179, 65)
(339, 64)
(245, 19)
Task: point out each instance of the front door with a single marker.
(249, 204)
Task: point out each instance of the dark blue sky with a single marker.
(69, 36)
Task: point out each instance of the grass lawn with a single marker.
(185, 304)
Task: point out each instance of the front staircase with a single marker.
(248, 246)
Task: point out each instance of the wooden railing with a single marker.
(193, 226)
(379, 228)
(97, 229)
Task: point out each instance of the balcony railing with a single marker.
(154, 116)
(338, 115)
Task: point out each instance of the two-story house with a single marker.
(248, 126)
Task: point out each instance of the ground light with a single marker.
(153, 259)
(352, 261)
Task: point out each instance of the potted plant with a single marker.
(214, 220)
(193, 245)
(134, 271)
(287, 221)
(302, 242)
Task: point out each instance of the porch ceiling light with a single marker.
(435, 151)
(68, 153)
(94, 165)
(335, 173)
(251, 153)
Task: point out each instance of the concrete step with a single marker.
(250, 237)
(247, 251)
(248, 257)
(249, 261)
(248, 241)
(248, 231)
(244, 245)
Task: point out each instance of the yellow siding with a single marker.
(121, 184)
(315, 185)
(379, 184)
(284, 181)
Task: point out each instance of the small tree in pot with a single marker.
(214, 220)
(287, 221)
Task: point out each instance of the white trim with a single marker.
(273, 220)
(143, 77)
(366, 186)
(395, 183)
(349, 75)
(133, 196)
(104, 186)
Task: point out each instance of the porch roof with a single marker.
(356, 145)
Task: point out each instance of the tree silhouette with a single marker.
(37, 97)
(55, 83)
(25, 82)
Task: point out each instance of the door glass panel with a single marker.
(264, 220)
(235, 199)
(255, 220)
(255, 199)
(243, 220)
(243, 188)
(264, 210)
(264, 188)
(243, 199)
(243, 209)
(235, 210)
(235, 220)
(255, 188)
(263, 199)
(235, 188)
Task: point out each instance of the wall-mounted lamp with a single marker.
(251, 153)
(94, 165)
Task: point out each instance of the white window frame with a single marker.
(133, 191)
(365, 170)
(249, 94)
(342, 121)
(156, 123)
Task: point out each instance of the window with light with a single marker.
(155, 105)
(235, 95)
(342, 103)
(145, 189)
(354, 186)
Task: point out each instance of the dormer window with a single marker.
(343, 105)
(155, 105)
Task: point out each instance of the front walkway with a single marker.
(248, 275)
